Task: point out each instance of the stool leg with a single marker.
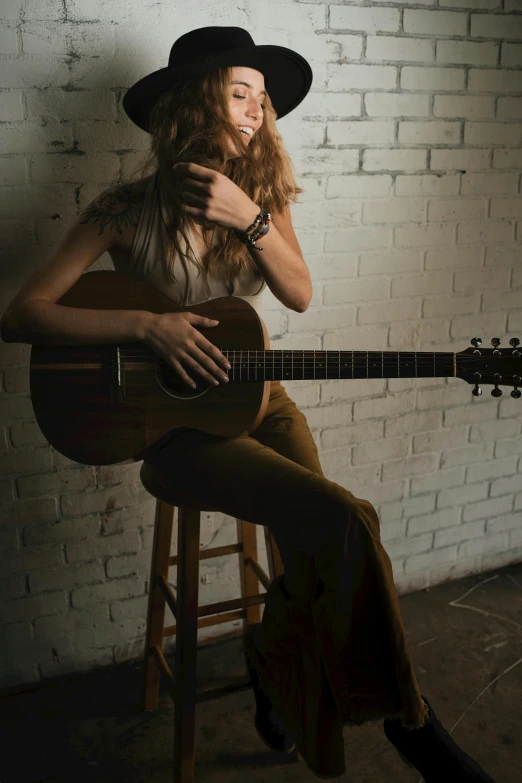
(162, 542)
(247, 536)
(186, 644)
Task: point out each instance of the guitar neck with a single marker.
(310, 365)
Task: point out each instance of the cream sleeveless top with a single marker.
(189, 288)
(192, 286)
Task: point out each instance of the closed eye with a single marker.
(243, 98)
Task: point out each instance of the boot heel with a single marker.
(405, 760)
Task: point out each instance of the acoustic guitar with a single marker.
(103, 404)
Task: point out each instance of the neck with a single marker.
(311, 365)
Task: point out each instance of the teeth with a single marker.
(247, 131)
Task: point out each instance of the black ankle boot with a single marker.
(267, 722)
(433, 752)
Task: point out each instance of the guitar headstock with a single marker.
(495, 366)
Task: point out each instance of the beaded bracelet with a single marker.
(263, 219)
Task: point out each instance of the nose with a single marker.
(256, 116)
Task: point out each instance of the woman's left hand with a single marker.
(210, 197)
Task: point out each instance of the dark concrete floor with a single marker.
(91, 729)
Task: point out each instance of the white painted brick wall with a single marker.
(409, 150)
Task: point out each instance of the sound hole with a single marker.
(170, 381)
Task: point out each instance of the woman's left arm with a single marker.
(281, 261)
(209, 196)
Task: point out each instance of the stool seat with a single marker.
(160, 492)
(189, 614)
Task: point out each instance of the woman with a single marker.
(331, 649)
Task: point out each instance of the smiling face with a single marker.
(245, 101)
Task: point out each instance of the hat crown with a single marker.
(205, 42)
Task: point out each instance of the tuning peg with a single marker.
(476, 341)
(516, 393)
(514, 342)
(477, 391)
(496, 392)
(495, 342)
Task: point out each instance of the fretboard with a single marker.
(309, 365)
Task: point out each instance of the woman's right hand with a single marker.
(174, 337)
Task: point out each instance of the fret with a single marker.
(398, 365)
(353, 374)
(416, 371)
(382, 364)
(292, 365)
(339, 360)
(289, 357)
(367, 370)
(314, 365)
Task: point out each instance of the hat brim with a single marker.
(288, 78)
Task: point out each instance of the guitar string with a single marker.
(268, 356)
(172, 373)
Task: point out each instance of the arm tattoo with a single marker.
(116, 208)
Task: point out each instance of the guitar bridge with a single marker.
(117, 377)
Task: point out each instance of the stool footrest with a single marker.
(170, 598)
(164, 668)
(223, 690)
(225, 611)
(222, 606)
(216, 551)
(206, 622)
(258, 571)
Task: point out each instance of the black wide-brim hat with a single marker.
(288, 76)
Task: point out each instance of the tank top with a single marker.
(192, 285)
(145, 262)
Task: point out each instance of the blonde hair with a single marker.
(192, 124)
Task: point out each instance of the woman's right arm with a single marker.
(41, 322)
(33, 315)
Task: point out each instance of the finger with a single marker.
(211, 368)
(202, 320)
(211, 350)
(182, 374)
(192, 197)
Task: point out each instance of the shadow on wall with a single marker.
(69, 137)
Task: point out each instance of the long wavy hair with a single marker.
(193, 124)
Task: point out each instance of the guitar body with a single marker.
(104, 404)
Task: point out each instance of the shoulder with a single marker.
(117, 206)
(116, 209)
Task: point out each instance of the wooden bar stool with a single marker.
(187, 612)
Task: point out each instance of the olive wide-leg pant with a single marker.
(331, 649)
